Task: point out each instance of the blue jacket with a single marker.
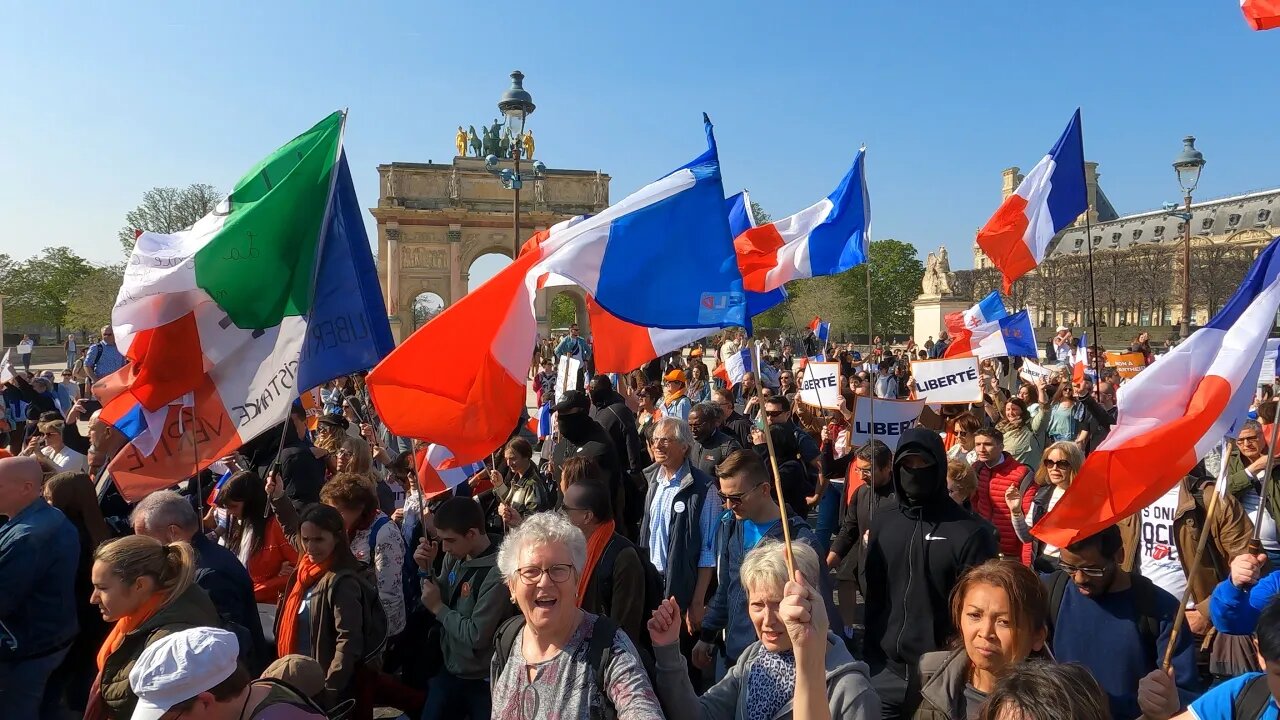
(39, 552)
(727, 610)
(1235, 611)
(220, 574)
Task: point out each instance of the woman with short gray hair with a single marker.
(762, 683)
(554, 659)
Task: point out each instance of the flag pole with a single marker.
(1219, 489)
(1256, 546)
(773, 465)
(1093, 298)
(195, 452)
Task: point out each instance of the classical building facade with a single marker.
(435, 219)
(1137, 260)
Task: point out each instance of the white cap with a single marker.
(181, 666)
(1063, 328)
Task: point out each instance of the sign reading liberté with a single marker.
(820, 386)
(949, 381)
(883, 420)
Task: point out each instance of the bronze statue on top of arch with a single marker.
(492, 140)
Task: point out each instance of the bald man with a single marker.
(39, 550)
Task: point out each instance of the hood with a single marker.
(612, 397)
(840, 661)
(926, 442)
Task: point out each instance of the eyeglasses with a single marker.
(664, 441)
(1059, 464)
(864, 472)
(774, 413)
(735, 499)
(532, 574)
(1247, 439)
(568, 508)
(1092, 572)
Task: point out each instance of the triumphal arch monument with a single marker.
(435, 220)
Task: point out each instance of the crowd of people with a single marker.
(676, 547)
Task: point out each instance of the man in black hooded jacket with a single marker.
(916, 554)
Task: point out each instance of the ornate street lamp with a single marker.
(516, 106)
(1187, 165)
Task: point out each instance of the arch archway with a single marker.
(484, 266)
(559, 307)
(426, 306)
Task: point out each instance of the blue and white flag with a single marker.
(1010, 336)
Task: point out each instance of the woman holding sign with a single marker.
(1023, 426)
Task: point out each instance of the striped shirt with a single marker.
(660, 517)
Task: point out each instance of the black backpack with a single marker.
(599, 652)
(653, 592)
(1251, 701)
(1144, 602)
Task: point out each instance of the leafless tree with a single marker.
(168, 210)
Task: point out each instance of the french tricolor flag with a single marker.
(963, 326)
(1049, 198)
(435, 476)
(823, 239)
(734, 367)
(1261, 14)
(820, 329)
(1174, 412)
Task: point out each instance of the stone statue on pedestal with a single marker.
(528, 143)
(504, 145)
(475, 141)
(937, 275)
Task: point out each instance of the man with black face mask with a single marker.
(916, 552)
(609, 409)
(580, 436)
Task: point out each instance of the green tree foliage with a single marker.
(168, 210)
(561, 311)
(896, 272)
(39, 289)
(90, 301)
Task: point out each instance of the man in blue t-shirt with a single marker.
(1117, 624)
(1251, 695)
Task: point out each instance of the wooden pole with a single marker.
(1220, 487)
(777, 476)
(1266, 478)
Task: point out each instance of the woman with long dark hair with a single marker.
(255, 535)
(73, 494)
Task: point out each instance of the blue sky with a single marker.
(103, 101)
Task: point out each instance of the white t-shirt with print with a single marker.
(1157, 550)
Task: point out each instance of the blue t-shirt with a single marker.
(1216, 704)
(753, 533)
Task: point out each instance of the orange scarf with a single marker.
(128, 624)
(595, 548)
(306, 576)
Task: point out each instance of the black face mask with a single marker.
(600, 396)
(919, 485)
(573, 425)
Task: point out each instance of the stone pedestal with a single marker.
(929, 313)
(397, 331)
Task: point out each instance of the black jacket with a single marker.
(707, 456)
(619, 422)
(738, 427)
(917, 551)
(591, 440)
(856, 519)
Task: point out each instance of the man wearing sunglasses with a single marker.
(1117, 624)
(747, 492)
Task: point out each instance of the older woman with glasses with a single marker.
(554, 659)
(1058, 468)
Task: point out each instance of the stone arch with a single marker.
(425, 306)
(543, 304)
(412, 287)
(483, 266)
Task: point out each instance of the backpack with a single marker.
(653, 592)
(1251, 701)
(599, 652)
(373, 627)
(91, 357)
(408, 569)
(1144, 602)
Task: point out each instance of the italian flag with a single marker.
(213, 319)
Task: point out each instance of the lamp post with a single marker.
(516, 106)
(1187, 165)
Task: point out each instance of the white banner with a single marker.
(951, 381)
(820, 386)
(6, 369)
(25, 347)
(1268, 374)
(1031, 372)
(883, 420)
(568, 375)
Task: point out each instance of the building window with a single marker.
(1115, 238)
(1137, 233)
(1181, 227)
(1097, 240)
(1233, 220)
(1264, 215)
(1159, 231)
(1206, 224)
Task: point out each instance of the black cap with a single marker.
(573, 399)
(334, 420)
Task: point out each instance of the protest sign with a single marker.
(25, 347)
(568, 375)
(1128, 364)
(1033, 372)
(1268, 374)
(883, 420)
(820, 386)
(951, 381)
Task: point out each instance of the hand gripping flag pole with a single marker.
(773, 465)
(1255, 544)
(1219, 489)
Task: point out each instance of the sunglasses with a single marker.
(1059, 464)
(774, 413)
(735, 499)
